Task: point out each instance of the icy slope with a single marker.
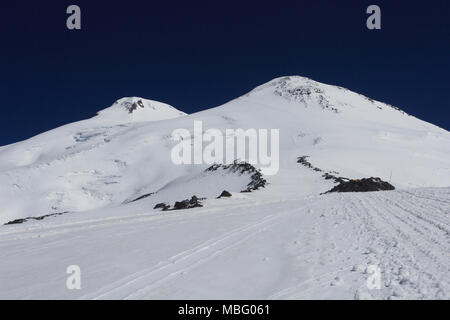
(123, 153)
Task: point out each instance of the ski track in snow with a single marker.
(316, 247)
(284, 241)
(183, 262)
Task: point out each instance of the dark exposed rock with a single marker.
(17, 221)
(303, 160)
(362, 185)
(143, 196)
(140, 103)
(327, 175)
(257, 181)
(303, 94)
(162, 206)
(347, 185)
(194, 202)
(224, 194)
(132, 108)
(135, 105)
(181, 205)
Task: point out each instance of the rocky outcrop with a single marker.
(17, 221)
(303, 160)
(362, 185)
(194, 202)
(224, 194)
(187, 204)
(256, 178)
(348, 185)
(142, 197)
(132, 106)
(162, 206)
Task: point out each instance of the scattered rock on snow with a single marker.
(131, 107)
(194, 202)
(348, 185)
(303, 160)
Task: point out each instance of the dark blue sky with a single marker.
(200, 54)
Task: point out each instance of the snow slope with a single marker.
(134, 109)
(284, 241)
(244, 247)
(123, 153)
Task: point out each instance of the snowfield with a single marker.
(318, 247)
(100, 178)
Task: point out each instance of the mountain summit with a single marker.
(105, 195)
(124, 152)
(139, 109)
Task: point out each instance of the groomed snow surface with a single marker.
(318, 247)
(286, 241)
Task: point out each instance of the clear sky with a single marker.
(200, 54)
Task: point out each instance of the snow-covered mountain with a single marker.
(95, 170)
(124, 151)
(134, 109)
